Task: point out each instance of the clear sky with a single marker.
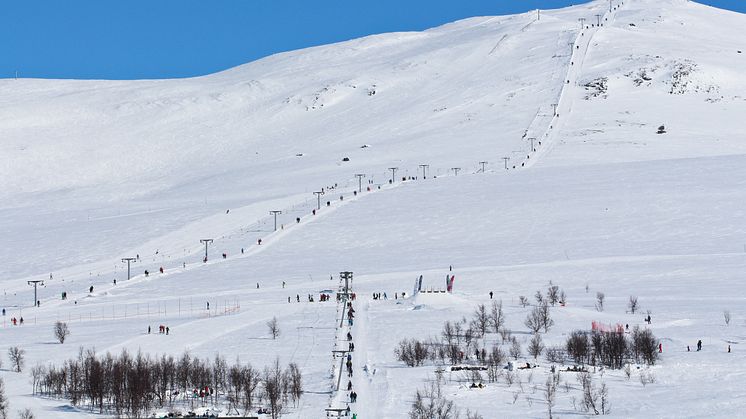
(131, 39)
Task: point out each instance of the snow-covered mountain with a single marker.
(470, 91)
(633, 186)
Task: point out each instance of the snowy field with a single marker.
(95, 171)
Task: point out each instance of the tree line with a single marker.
(134, 385)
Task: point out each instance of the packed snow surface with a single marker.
(634, 186)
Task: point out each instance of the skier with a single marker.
(161, 269)
(147, 273)
(349, 335)
(660, 348)
(148, 329)
(242, 250)
(297, 219)
(259, 241)
(90, 290)
(349, 385)
(699, 345)
(224, 255)
(208, 305)
(167, 329)
(115, 281)
(283, 284)
(490, 295)
(297, 298)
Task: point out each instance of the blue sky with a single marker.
(132, 39)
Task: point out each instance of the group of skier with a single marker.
(384, 296)
(309, 298)
(350, 349)
(164, 330)
(350, 314)
(699, 346)
(14, 320)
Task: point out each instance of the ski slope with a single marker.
(95, 171)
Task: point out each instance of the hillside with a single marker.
(100, 170)
(180, 150)
(475, 90)
(667, 63)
